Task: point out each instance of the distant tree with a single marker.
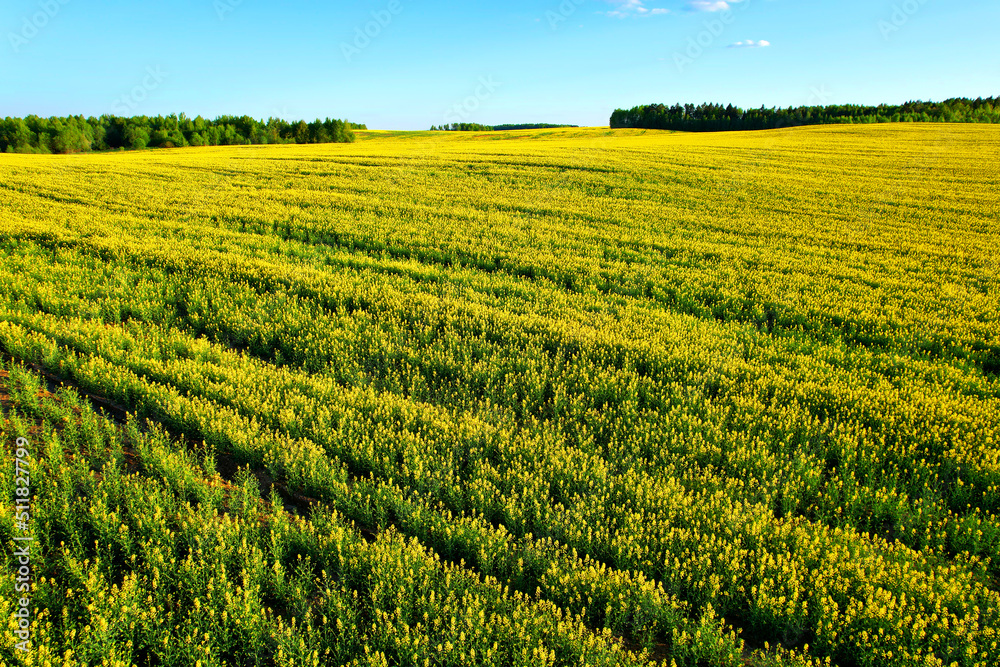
(319, 133)
(528, 126)
(15, 135)
(69, 139)
(273, 131)
(136, 137)
(98, 141)
(176, 139)
(466, 127)
(213, 135)
(714, 117)
(158, 139)
(301, 132)
(33, 134)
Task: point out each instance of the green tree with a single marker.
(136, 137)
(301, 132)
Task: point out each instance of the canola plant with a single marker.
(547, 397)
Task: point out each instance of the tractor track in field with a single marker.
(226, 463)
(227, 467)
(5, 401)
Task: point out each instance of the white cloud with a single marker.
(751, 44)
(711, 5)
(633, 8)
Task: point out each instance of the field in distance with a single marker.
(548, 397)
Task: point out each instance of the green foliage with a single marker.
(463, 127)
(715, 117)
(476, 127)
(137, 560)
(78, 134)
(528, 126)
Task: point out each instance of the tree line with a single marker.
(75, 134)
(476, 127)
(715, 117)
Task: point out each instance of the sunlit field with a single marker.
(556, 397)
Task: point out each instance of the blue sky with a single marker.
(434, 61)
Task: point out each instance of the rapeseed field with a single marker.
(551, 397)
